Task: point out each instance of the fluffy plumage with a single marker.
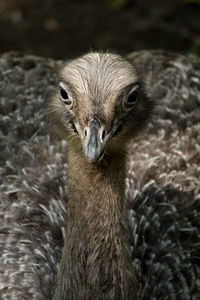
(162, 182)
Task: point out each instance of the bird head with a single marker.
(100, 103)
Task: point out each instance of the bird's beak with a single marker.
(94, 140)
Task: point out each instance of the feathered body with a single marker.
(96, 261)
(162, 182)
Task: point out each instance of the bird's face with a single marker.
(100, 103)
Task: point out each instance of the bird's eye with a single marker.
(64, 96)
(132, 99)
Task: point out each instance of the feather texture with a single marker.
(162, 181)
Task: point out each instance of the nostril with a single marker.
(103, 134)
(85, 133)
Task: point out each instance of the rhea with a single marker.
(99, 106)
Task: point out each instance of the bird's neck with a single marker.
(96, 189)
(96, 254)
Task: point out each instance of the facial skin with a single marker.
(100, 103)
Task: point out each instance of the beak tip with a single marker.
(91, 154)
(93, 145)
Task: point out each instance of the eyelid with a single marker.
(127, 107)
(134, 88)
(65, 87)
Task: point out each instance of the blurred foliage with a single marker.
(193, 1)
(195, 46)
(117, 4)
(64, 28)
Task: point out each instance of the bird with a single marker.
(101, 105)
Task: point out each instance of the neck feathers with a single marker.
(96, 261)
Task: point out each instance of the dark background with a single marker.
(62, 29)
